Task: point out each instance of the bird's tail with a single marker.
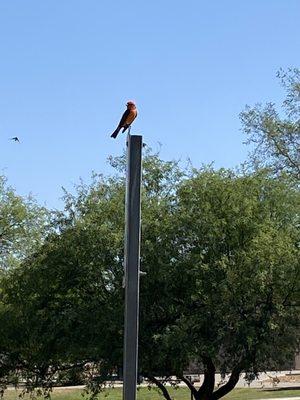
(115, 133)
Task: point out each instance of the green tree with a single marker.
(67, 299)
(23, 224)
(221, 253)
(275, 135)
(23, 227)
(60, 308)
(232, 289)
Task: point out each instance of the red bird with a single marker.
(127, 119)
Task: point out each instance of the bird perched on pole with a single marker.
(127, 119)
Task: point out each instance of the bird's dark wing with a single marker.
(124, 118)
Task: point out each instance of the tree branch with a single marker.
(160, 386)
(233, 380)
(285, 154)
(189, 385)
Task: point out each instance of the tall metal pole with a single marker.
(132, 264)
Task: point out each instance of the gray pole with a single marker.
(132, 264)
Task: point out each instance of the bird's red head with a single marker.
(130, 104)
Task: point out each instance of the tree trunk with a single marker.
(203, 397)
(206, 390)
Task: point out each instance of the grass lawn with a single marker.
(179, 394)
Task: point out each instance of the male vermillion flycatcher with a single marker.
(127, 118)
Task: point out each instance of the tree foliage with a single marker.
(23, 224)
(221, 253)
(274, 134)
(232, 293)
(63, 298)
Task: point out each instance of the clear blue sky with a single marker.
(67, 68)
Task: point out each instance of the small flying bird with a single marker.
(15, 139)
(127, 119)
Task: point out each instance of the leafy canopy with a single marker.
(274, 134)
(23, 224)
(221, 253)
